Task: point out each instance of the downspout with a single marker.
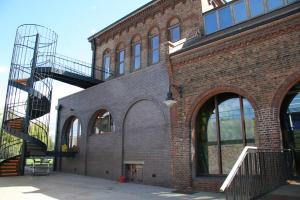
(56, 148)
(93, 47)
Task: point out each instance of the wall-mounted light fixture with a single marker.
(170, 100)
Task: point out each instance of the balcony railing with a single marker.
(239, 11)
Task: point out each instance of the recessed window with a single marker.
(136, 53)
(154, 46)
(106, 65)
(174, 30)
(120, 60)
(73, 134)
(225, 125)
(103, 123)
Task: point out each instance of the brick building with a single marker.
(233, 69)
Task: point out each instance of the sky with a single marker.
(73, 20)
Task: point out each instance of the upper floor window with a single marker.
(103, 123)
(106, 65)
(174, 30)
(154, 46)
(136, 52)
(120, 60)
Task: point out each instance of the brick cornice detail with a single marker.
(250, 37)
(139, 17)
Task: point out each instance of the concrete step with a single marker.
(291, 191)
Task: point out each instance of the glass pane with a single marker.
(274, 4)
(256, 7)
(122, 56)
(106, 67)
(175, 34)
(155, 56)
(230, 130)
(291, 1)
(155, 42)
(293, 113)
(137, 62)
(211, 24)
(121, 68)
(249, 122)
(240, 11)
(103, 123)
(225, 17)
(207, 148)
(137, 49)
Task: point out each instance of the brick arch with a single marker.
(209, 93)
(282, 91)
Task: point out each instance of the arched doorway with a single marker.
(224, 125)
(290, 124)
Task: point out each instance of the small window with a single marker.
(240, 11)
(256, 7)
(106, 65)
(73, 134)
(120, 60)
(103, 123)
(225, 17)
(154, 46)
(136, 53)
(274, 4)
(211, 24)
(174, 30)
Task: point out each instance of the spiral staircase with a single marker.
(34, 65)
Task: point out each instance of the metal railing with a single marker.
(257, 172)
(10, 149)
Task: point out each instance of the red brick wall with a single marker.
(261, 64)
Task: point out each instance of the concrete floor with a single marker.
(60, 186)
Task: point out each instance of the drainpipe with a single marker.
(93, 47)
(56, 148)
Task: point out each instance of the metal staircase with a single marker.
(26, 116)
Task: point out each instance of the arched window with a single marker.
(103, 123)
(120, 59)
(106, 65)
(174, 30)
(154, 46)
(224, 125)
(73, 133)
(136, 50)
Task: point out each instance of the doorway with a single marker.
(134, 173)
(290, 124)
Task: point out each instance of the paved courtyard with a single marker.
(60, 186)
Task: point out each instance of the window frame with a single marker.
(171, 33)
(134, 56)
(119, 62)
(151, 49)
(106, 55)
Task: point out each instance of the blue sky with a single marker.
(73, 20)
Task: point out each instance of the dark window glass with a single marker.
(274, 4)
(154, 49)
(256, 7)
(220, 136)
(211, 23)
(74, 134)
(106, 67)
(103, 123)
(137, 56)
(175, 33)
(121, 62)
(225, 17)
(240, 11)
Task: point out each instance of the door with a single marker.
(134, 173)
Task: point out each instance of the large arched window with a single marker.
(73, 133)
(136, 52)
(103, 123)
(106, 65)
(224, 125)
(120, 59)
(154, 46)
(174, 30)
